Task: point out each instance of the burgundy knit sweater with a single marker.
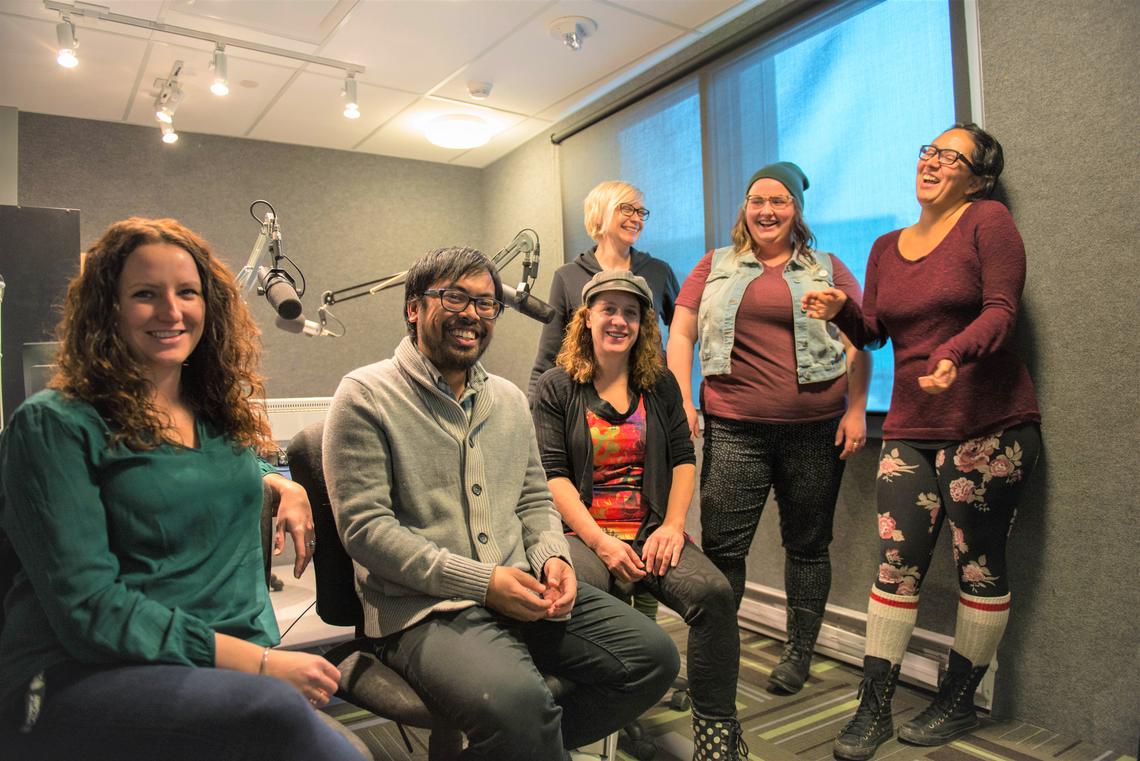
(959, 303)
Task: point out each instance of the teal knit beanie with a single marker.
(787, 173)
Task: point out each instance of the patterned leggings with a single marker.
(978, 482)
(743, 462)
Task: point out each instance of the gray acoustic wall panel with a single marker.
(521, 190)
(346, 218)
(1061, 93)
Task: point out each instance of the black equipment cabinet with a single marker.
(39, 253)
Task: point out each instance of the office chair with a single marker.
(364, 680)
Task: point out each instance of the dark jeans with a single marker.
(173, 713)
(701, 594)
(744, 461)
(481, 670)
(976, 483)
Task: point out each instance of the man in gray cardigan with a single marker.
(461, 566)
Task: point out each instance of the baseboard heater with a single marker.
(843, 635)
(288, 416)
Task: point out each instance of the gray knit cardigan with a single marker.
(427, 502)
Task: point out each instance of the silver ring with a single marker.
(311, 543)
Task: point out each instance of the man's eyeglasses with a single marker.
(454, 300)
(629, 210)
(946, 156)
(776, 202)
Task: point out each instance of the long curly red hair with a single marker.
(219, 380)
(577, 358)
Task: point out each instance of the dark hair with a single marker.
(95, 364)
(986, 157)
(449, 264)
(577, 358)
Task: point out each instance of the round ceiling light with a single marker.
(458, 131)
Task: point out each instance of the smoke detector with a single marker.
(479, 90)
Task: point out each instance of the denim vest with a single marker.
(819, 351)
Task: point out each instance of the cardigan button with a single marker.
(476, 490)
(482, 538)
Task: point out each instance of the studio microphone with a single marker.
(300, 325)
(280, 291)
(527, 303)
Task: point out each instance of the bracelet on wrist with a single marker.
(264, 661)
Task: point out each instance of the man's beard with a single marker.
(446, 356)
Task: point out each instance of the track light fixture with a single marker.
(168, 133)
(351, 104)
(170, 92)
(169, 95)
(65, 35)
(221, 85)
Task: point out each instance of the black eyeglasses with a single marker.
(946, 156)
(454, 300)
(629, 210)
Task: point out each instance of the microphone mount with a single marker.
(525, 242)
(267, 250)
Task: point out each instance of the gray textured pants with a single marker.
(482, 670)
(703, 597)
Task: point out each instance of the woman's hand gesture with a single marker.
(620, 558)
(823, 305)
(943, 377)
(311, 675)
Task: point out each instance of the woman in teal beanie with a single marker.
(783, 398)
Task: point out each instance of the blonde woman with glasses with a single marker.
(615, 215)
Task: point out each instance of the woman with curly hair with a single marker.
(139, 625)
(962, 433)
(783, 399)
(620, 465)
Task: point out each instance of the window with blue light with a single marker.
(849, 95)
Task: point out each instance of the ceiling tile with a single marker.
(404, 135)
(98, 88)
(310, 21)
(502, 144)
(415, 44)
(621, 38)
(310, 112)
(686, 13)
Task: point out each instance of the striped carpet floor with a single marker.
(799, 727)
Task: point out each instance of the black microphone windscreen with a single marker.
(528, 304)
(282, 296)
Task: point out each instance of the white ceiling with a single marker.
(418, 54)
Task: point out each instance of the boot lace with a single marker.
(738, 741)
(867, 715)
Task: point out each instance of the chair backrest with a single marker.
(337, 603)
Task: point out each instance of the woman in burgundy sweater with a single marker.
(962, 433)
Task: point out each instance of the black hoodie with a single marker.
(566, 297)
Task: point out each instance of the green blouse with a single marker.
(127, 557)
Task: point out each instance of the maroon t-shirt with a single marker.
(762, 385)
(959, 302)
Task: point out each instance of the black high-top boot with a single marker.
(952, 712)
(792, 670)
(719, 739)
(871, 725)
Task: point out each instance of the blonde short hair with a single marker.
(603, 199)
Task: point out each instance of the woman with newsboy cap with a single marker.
(620, 465)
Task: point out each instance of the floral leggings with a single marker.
(978, 482)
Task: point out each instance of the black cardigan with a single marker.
(567, 450)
